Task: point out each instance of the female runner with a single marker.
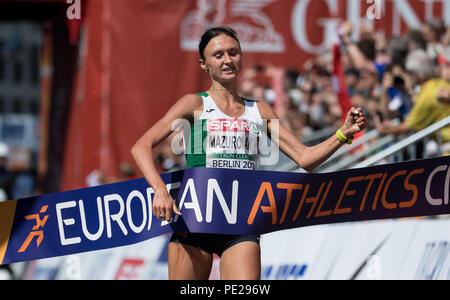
(190, 255)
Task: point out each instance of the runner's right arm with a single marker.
(142, 153)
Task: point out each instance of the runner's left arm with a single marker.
(309, 158)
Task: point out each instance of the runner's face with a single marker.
(223, 58)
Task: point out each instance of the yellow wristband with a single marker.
(342, 138)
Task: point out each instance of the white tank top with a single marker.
(220, 141)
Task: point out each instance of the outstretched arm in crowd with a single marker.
(384, 129)
(359, 60)
(419, 116)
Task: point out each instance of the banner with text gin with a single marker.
(223, 201)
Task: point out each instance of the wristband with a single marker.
(342, 138)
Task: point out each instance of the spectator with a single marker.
(396, 98)
(363, 53)
(433, 30)
(352, 80)
(383, 76)
(420, 68)
(431, 106)
(416, 41)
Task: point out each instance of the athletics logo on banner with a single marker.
(223, 201)
(35, 233)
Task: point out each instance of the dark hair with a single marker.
(416, 36)
(437, 26)
(352, 71)
(212, 33)
(367, 47)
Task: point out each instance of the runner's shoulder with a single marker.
(192, 100)
(190, 103)
(266, 110)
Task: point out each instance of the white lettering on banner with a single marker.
(150, 191)
(402, 11)
(257, 32)
(446, 187)
(299, 26)
(354, 16)
(446, 12)
(214, 188)
(117, 217)
(66, 222)
(254, 27)
(124, 214)
(136, 194)
(190, 186)
(96, 236)
(147, 214)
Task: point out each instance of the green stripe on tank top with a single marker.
(196, 156)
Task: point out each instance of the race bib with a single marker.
(232, 143)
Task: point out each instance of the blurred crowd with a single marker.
(404, 78)
(383, 75)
